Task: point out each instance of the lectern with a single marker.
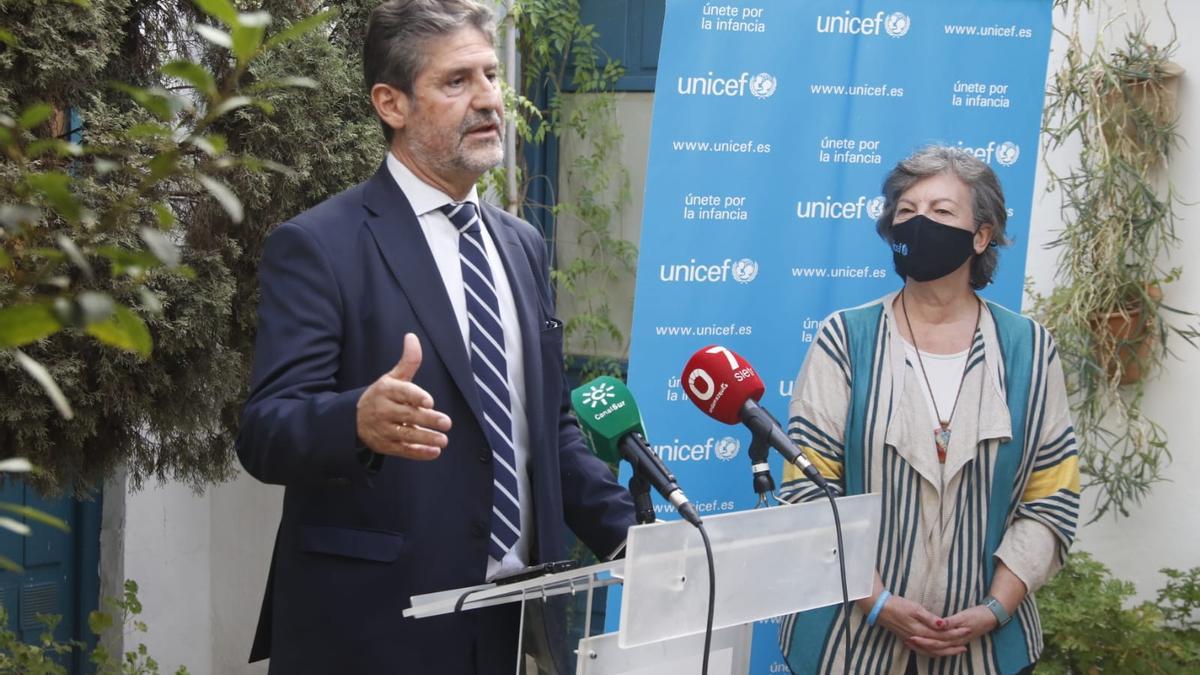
(769, 562)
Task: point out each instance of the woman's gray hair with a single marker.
(399, 33)
(987, 198)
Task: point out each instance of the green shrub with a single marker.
(1089, 627)
(45, 657)
(143, 235)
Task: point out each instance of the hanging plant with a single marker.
(1108, 310)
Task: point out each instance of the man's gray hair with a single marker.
(399, 33)
(987, 198)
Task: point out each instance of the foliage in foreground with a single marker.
(138, 237)
(1090, 628)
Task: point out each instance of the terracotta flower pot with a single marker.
(1157, 97)
(1125, 338)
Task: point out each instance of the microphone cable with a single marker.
(712, 594)
(841, 555)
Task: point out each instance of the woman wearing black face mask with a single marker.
(955, 410)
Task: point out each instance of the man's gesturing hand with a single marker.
(396, 417)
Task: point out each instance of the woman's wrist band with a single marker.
(1001, 614)
(879, 602)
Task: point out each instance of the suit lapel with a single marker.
(520, 278)
(396, 230)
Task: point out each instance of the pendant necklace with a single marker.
(941, 435)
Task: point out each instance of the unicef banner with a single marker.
(774, 124)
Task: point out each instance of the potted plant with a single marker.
(1107, 311)
(1126, 337)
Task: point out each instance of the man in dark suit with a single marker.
(408, 386)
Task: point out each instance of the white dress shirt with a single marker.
(442, 237)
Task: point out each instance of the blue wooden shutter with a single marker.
(630, 31)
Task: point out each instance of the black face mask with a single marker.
(924, 249)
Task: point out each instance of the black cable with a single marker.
(837, 526)
(458, 605)
(712, 594)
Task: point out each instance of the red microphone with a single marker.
(719, 382)
(724, 386)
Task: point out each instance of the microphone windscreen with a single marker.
(607, 412)
(719, 382)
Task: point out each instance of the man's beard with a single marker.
(484, 158)
(476, 158)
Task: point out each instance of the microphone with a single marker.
(725, 387)
(764, 484)
(611, 420)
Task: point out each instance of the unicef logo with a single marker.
(745, 270)
(763, 85)
(902, 249)
(727, 448)
(1008, 153)
(875, 207)
(897, 24)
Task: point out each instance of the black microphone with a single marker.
(764, 484)
(761, 424)
(643, 506)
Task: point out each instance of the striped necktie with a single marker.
(490, 368)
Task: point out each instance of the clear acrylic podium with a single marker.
(769, 562)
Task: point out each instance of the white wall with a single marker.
(633, 114)
(245, 515)
(201, 563)
(1163, 532)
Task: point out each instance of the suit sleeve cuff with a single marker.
(371, 461)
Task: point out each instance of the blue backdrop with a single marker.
(774, 125)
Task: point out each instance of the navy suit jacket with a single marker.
(360, 533)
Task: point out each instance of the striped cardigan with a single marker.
(1008, 491)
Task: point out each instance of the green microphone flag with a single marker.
(607, 412)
